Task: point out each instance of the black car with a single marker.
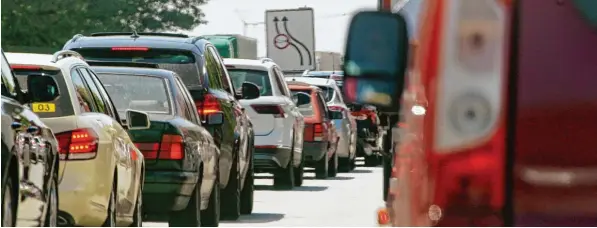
(29, 153)
(180, 178)
(202, 71)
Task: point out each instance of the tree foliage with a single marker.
(50, 23)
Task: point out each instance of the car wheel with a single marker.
(210, 217)
(387, 172)
(191, 215)
(299, 173)
(284, 177)
(372, 160)
(246, 195)
(321, 168)
(231, 194)
(111, 218)
(138, 213)
(51, 218)
(333, 165)
(8, 204)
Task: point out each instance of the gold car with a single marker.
(101, 171)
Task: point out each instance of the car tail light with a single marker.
(468, 145)
(317, 132)
(275, 110)
(208, 105)
(24, 67)
(130, 49)
(79, 144)
(170, 148)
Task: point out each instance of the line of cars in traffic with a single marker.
(121, 128)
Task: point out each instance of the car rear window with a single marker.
(258, 77)
(328, 93)
(180, 61)
(62, 106)
(305, 109)
(140, 92)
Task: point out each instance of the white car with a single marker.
(277, 122)
(333, 96)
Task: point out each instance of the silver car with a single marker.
(341, 118)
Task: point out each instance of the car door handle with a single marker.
(16, 125)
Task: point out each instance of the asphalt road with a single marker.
(348, 200)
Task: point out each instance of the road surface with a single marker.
(350, 199)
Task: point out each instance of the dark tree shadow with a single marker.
(258, 218)
(297, 189)
(361, 171)
(330, 178)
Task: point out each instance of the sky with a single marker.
(331, 19)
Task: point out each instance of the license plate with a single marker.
(43, 107)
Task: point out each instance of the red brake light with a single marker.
(209, 105)
(80, 144)
(317, 132)
(24, 67)
(170, 148)
(130, 49)
(275, 110)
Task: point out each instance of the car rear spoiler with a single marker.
(123, 64)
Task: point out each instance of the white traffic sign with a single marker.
(290, 35)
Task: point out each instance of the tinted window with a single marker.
(327, 92)
(258, 77)
(183, 104)
(189, 101)
(180, 61)
(62, 105)
(150, 96)
(306, 109)
(221, 70)
(95, 94)
(84, 97)
(107, 100)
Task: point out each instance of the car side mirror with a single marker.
(301, 98)
(335, 115)
(137, 120)
(41, 88)
(375, 60)
(238, 94)
(214, 118)
(250, 91)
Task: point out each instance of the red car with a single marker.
(320, 137)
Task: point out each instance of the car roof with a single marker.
(150, 41)
(249, 63)
(41, 60)
(134, 71)
(313, 81)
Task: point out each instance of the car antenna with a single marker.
(135, 35)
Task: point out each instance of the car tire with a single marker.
(284, 177)
(111, 218)
(191, 216)
(372, 160)
(138, 213)
(230, 209)
(299, 172)
(51, 217)
(333, 165)
(387, 172)
(210, 217)
(321, 168)
(9, 201)
(247, 193)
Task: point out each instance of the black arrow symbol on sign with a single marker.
(285, 20)
(276, 20)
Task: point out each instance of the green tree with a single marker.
(50, 23)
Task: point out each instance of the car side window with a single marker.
(322, 107)
(95, 93)
(107, 100)
(184, 102)
(84, 99)
(224, 78)
(279, 84)
(283, 82)
(213, 74)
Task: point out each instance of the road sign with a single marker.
(291, 38)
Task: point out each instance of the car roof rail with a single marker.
(298, 83)
(137, 34)
(265, 60)
(123, 64)
(194, 39)
(64, 54)
(76, 37)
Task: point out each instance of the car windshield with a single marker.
(56, 108)
(305, 109)
(144, 93)
(328, 93)
(181, 62)
(257, 77)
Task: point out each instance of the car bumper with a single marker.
(268, 158)
(314, 151)
(168, 191)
